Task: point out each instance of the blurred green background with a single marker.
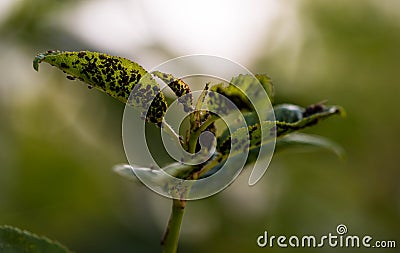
(59, 141)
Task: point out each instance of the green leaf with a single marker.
(309, 120)
(14, 240)
(242, 86)
(237, 142)
(288, 113)
(115, 76)
(158, 176)
(179, 87)
(282, 128)
(299, 140)
(241, 141)
(250, 118)
(267, 84)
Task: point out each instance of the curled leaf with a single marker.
(283, 128)
(288, 113)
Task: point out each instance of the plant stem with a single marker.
(171, 235)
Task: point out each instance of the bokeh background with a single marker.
(59, 140)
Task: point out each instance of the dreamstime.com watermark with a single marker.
(339, 239)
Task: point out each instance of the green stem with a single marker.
(171, 235)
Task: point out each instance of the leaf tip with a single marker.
(38, 59)
(124, 170)
(341, 111)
